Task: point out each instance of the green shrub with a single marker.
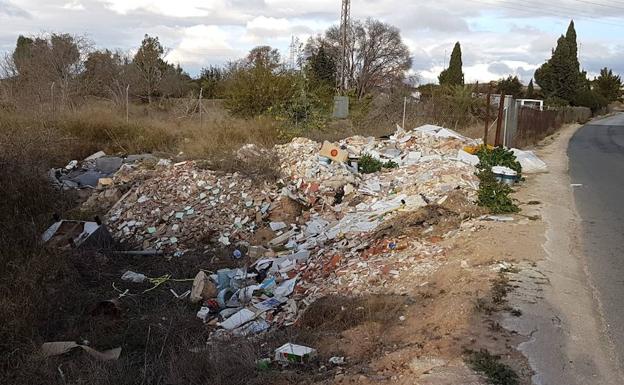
(495, 195)
(489, 364)
(368, 165)
(499, 156)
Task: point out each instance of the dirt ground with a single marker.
(435, 324)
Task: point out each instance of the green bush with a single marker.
(368, 165)
(493, 194)
(499, 156)
(555, 101)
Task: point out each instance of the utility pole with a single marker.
(345, 20)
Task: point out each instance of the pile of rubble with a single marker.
(327, 244)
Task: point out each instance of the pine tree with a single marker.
(530, 94)
(608, 85)
(453, 75)
(510, 86)
(322, 67)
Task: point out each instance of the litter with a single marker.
(58, 348)
(131, 276)
(77, 234)
(530, 163)
(203, 288)
(337, 360)
(291, 353)
(237, 319)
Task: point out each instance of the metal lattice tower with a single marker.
(293, 53)
(345, 20)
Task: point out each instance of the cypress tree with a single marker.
(530, 94)
(560, 76)
(453, 75)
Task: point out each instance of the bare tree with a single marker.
(376, 55)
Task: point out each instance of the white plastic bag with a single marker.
(530, 163)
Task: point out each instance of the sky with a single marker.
(498, 37)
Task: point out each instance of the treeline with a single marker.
(561, 81)
(64, 70)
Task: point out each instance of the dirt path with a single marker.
(561, 316)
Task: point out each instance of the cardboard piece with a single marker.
(333, 152)
(203, 288)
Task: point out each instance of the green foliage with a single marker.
(150, 65)
(368, 165)
(530, 93)
(499, 156)
(586, 97)
(453, 75)
(211, 80)
(22, 53)
(555, 101)
(321, 68)
(253, 91)
(608, 85)
(493, 194)
(510, 86)
(489, 364)
(560, 76)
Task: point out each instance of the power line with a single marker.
(535, 11)
(600, 4)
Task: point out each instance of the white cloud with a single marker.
(496, 40)
(74, 5)
(201, 44)
(180, 8)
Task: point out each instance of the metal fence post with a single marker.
(127, 104)
(201, 118)
(404, 106)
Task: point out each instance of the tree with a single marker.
(22, 54)
(377, 58)
(149, 65)
(510, 86)
(258, 84)
(530, 94)
(321, 68)
(264, 56)
(608, 85)
(453, 75)
(103, 75)
(45, 68)
(211, 80)
(560, 76)
(175, 82)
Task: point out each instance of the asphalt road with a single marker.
(596, 161)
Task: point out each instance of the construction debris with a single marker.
(77, 234)
(324, 228)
